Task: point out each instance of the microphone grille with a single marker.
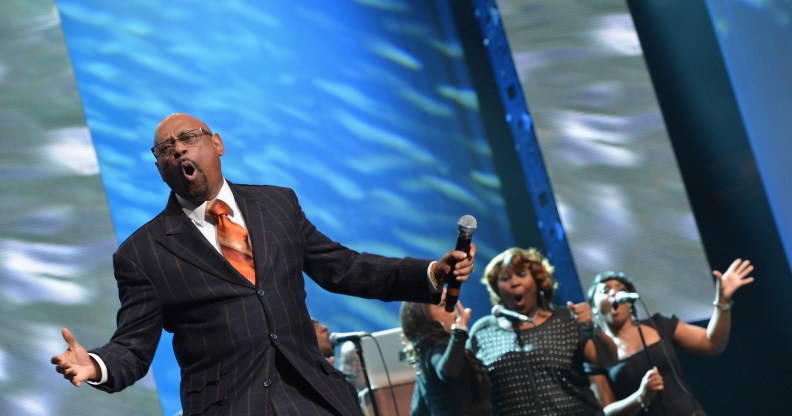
(467, 222)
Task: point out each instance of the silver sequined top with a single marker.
(542, 374)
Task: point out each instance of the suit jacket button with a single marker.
(273, 336)
(260, 292)
(267, 383)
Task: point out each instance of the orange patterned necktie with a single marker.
(233, 239)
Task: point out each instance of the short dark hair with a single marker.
(610, 275)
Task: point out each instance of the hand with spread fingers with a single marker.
(75, 364)
(734, 278)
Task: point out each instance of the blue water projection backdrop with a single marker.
(364, 108)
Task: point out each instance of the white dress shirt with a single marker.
(209, 228)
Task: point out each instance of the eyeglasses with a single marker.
(187, 138)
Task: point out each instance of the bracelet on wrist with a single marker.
(433, 276)
(459, 327)
(723, 307)
(590, 330)
(644, 406)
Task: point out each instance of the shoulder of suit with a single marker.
(267, 189)
(153, 227)
(269, 194)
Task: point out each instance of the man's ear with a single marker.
(156, 163)
(218, 144)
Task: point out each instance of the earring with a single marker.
(543, 302)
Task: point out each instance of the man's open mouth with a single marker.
(188, 169)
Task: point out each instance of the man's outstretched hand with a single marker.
(75, 364)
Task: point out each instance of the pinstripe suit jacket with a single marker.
(225, 329)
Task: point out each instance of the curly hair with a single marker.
(518, 259)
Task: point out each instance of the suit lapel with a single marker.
(183, 239)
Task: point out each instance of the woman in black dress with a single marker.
(650, 381)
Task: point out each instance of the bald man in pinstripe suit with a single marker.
(243, 348)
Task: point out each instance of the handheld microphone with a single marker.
(623, 297)
(337, 338)
(466, 225)
(499, 310)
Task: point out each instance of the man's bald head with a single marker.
(191, 167)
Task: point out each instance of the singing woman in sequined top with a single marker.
(535, 365)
